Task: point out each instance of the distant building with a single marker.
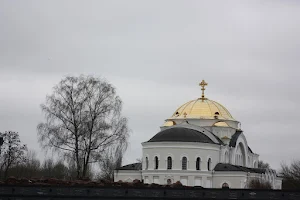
(201, 144)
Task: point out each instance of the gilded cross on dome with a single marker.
(203, 84)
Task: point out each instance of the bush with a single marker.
(257, 184)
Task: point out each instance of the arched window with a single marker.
(209, 164)
(147, 162)
(226, 159)
(241, 155)
(225, 185)
(156, 162)
(249, 161)
(198, 160)
(169, 182)
(169, 163)
(184, 163)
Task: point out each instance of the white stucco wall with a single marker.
(233, 179)
(177, 150)
(127, 175)
(177, 175)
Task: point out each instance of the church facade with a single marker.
(201, 144)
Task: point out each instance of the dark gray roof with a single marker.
(180, 134)
(250, 149)
(220, 141)
(133, 166)
(234, 138)
(229, 167)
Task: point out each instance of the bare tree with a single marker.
(110, 162)
(83, 119)
(12, 152)
(52, 169)
(259, 184)
(291, 175)
(139, 160)
(30, 168)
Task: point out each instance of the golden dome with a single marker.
(202, 108)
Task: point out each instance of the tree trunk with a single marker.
(6, 172)
(77, 162)
(85, 165)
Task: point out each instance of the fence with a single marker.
(8, 192)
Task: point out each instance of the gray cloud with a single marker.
(156, 53)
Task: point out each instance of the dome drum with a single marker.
(202, 122)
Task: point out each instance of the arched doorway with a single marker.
(225, 185)
(169, 182)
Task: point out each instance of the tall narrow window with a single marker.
(184, 163)
(169, 163)
(198, 163)
(156, 162)
(147, 162)
(209, 164)
(249, 161)
(255, 164)
(226, 157)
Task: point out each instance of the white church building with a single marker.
(201, 144)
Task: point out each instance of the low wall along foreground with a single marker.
(24, 189)
(75, 192)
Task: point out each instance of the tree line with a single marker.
(290, 175)
(83, 125)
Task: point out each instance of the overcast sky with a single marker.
(155, 53)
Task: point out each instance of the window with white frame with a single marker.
(169, 162)
(198, 161)
(156, 162)
(184, 163)
(147, 163)
(226, 157)
(209, 164)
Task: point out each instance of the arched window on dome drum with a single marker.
(156, 162)
(169, 163)
(198, 161)
(147, 162)
(209, 164)
(184, 163)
